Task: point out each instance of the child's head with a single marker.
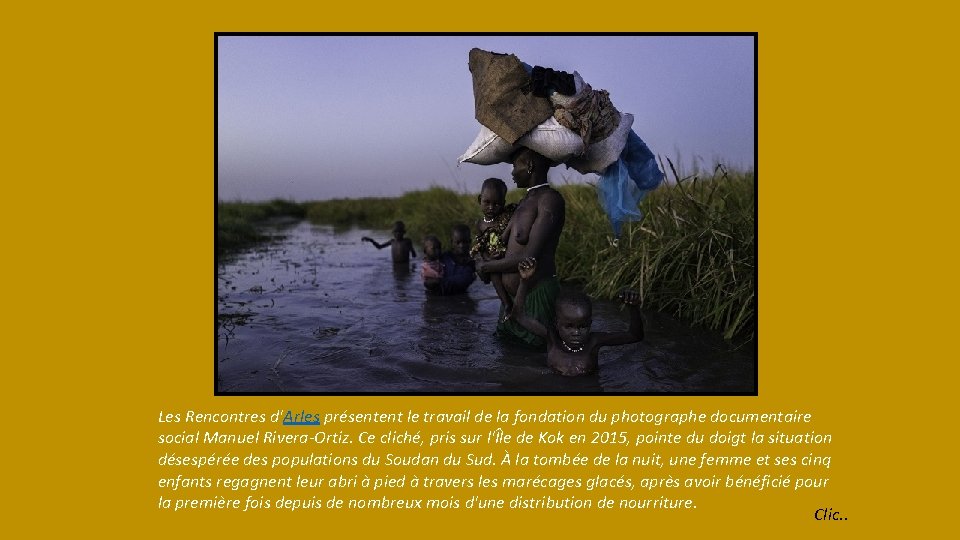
(399, 229)
(461, 240)
(492, 198)
(431, 248)
(574, 316)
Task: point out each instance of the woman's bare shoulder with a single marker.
(552, 197)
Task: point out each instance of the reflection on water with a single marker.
(318, 311)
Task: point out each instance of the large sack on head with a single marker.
(602, 154)
(549, 139)
(554, 141)
(501, 104)
(488, 149)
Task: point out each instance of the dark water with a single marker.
(319, 311)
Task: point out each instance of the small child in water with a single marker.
(431, 270)
(456, 269)
(401, 248)
(572, 348)
(491, 240)
(460, 270)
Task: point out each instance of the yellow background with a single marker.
(108, 176)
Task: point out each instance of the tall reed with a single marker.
(692, 254)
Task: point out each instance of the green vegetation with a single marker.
(237, 222)
(433, 211)
(692, 255)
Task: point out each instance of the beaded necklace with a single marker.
(529, 189)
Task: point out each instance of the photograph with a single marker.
(456, 214)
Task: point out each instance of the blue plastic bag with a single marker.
(626, 181)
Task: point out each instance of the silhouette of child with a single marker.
(491, 240)
(401, 248)
(572, 348)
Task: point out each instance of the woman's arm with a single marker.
(527, 268)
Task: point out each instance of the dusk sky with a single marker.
(319, 117)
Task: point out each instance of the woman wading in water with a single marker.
(533, 231)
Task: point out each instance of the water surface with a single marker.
(317, 311)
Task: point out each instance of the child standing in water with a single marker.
(572, 348)
(431, 270)
(457, 269)
(401, 248)
(491, 240)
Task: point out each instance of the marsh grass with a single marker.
(433, 211)
(238, 222)
(692, 254)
